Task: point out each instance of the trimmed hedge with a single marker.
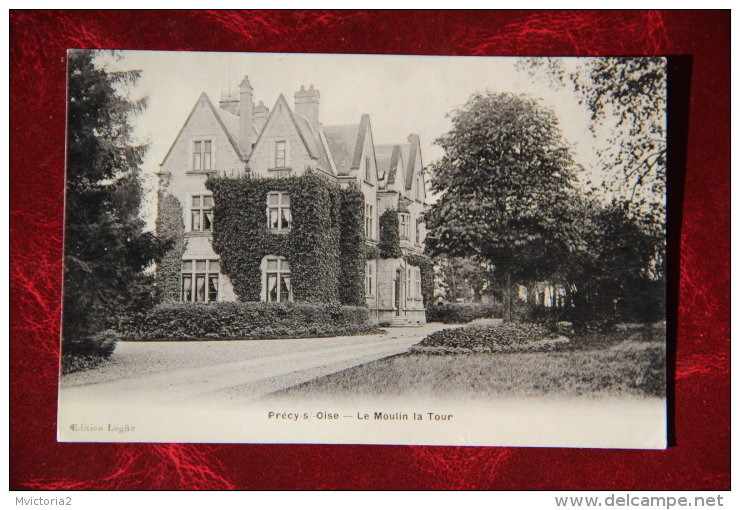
(462, 313)
(244, 321)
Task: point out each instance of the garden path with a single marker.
(179, 372)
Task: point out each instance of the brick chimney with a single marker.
(260, 115)
(245, 117)
(307, 104)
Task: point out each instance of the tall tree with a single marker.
(506, 188)
(627, 101)
(106, 248)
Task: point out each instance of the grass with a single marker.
(595, 364)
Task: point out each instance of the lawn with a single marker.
(596, 364)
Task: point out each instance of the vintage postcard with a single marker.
(365, 249)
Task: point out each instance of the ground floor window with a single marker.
(199, 280)
(413, 283)
(369, 278)
(276, 283)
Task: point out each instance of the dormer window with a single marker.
(280, 154)
(202, 155)
(201, 213)
(278, 211)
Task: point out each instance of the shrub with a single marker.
(88, 352)
(511, 337)
(462, 313)
(244, 321)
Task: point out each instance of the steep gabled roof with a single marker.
(411, 161)
(346, 144)
(227, 125)
(388, 155)
(342, 141)
(309, 136)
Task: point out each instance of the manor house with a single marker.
(238, 139)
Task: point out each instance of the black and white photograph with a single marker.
(364, 249)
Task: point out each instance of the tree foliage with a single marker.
(627, 99)
(106, 248)
(506, 187)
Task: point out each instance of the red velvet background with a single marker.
(700, 458)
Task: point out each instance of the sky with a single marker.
(402, 94)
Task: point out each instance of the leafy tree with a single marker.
(627, 100)
(463, 277)
(106, 248)
(506, 188)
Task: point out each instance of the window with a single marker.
(418, 231)
(280, 154)
(199, 280)
(276, 280)
(404, 221)
(417, 283)
(369, 277)
(368, 221)
(202, 155)
(368, 172)
(201, 213)
(413, 283)
(278, 211)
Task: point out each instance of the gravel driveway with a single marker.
(242, 369)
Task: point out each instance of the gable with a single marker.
(205, 120)
(204, 126)
(302, 143)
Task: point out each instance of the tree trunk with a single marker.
(507, 298)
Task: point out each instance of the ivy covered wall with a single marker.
(325, 253)
(389, 240)
(170, 226)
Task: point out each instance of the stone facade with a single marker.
(238, 139)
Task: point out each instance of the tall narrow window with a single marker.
(417, 283)
(368, 221)
(201, 213)
(368, 173)
(280, 154)
(202, 155)
(403, 223)
(276, 280)
(199, 281)
(278, 211)
(369, 277)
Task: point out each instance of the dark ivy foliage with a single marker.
(312, 247)
(170, 227)
(372, 252)
(106, 250)
(352, 248)
(426, 268)
(390, 242)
